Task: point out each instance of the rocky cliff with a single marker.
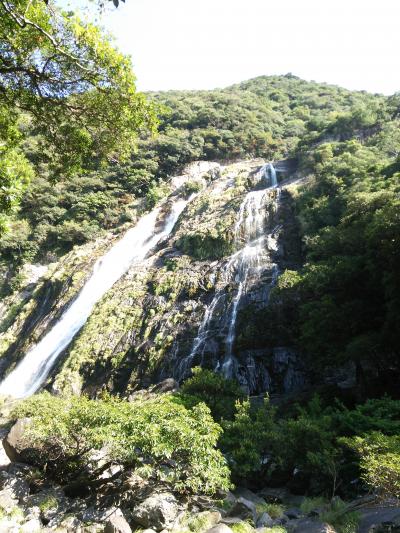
(146, 326)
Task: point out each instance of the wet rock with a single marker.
(220, 528)
(265, 521)
(117, 524)
(13, 443)
(244, 509)
(157, 511)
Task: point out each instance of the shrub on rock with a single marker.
(157, 438)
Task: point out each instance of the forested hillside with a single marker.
(270, 117)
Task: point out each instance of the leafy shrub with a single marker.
(218, 393)
(242, 527)
(309, 504)
(340, 517)
(275, 510)
(158, 438)
(248, 439)
(380, 462)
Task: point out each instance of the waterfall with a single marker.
(243, 269)
(34, 368)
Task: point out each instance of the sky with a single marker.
(187, 44)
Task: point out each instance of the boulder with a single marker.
(7, 500)
(293, 513)
(13, 443)
(117, 524)
(220, 528)
(208, 518)
(380, 519)
(71, 524)
(242, 492)
(158, 511)
(231, 520)
(307, 525)
(4, 459)
(244, 509)
(264, 520)
(16, 485)
(32, 526)
(167, 385)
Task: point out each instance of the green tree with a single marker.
(157, 438)
(77, 90)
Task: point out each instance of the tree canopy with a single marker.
(63, 81)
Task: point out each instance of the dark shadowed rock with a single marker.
(274, 495)
(380, 520)
(293, 513)
(248, 495)
(244, 509)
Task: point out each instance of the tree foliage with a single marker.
(156, 438)
(64, 82)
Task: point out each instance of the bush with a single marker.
(219, 393)
(157, 438)
(379, 461)
(340, 517)
(248, 439)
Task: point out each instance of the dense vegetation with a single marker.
(66, 88)
(341, 309)
(319, 450)
(268, 117)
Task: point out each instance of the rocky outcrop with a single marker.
(158, 511)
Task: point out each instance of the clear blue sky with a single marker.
(186, 44)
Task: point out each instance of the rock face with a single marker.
(157, 511)
(145, 329)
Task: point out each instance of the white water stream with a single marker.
(244, 266)
(35, 367)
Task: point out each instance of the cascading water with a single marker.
(33, 370)
(243, 269)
